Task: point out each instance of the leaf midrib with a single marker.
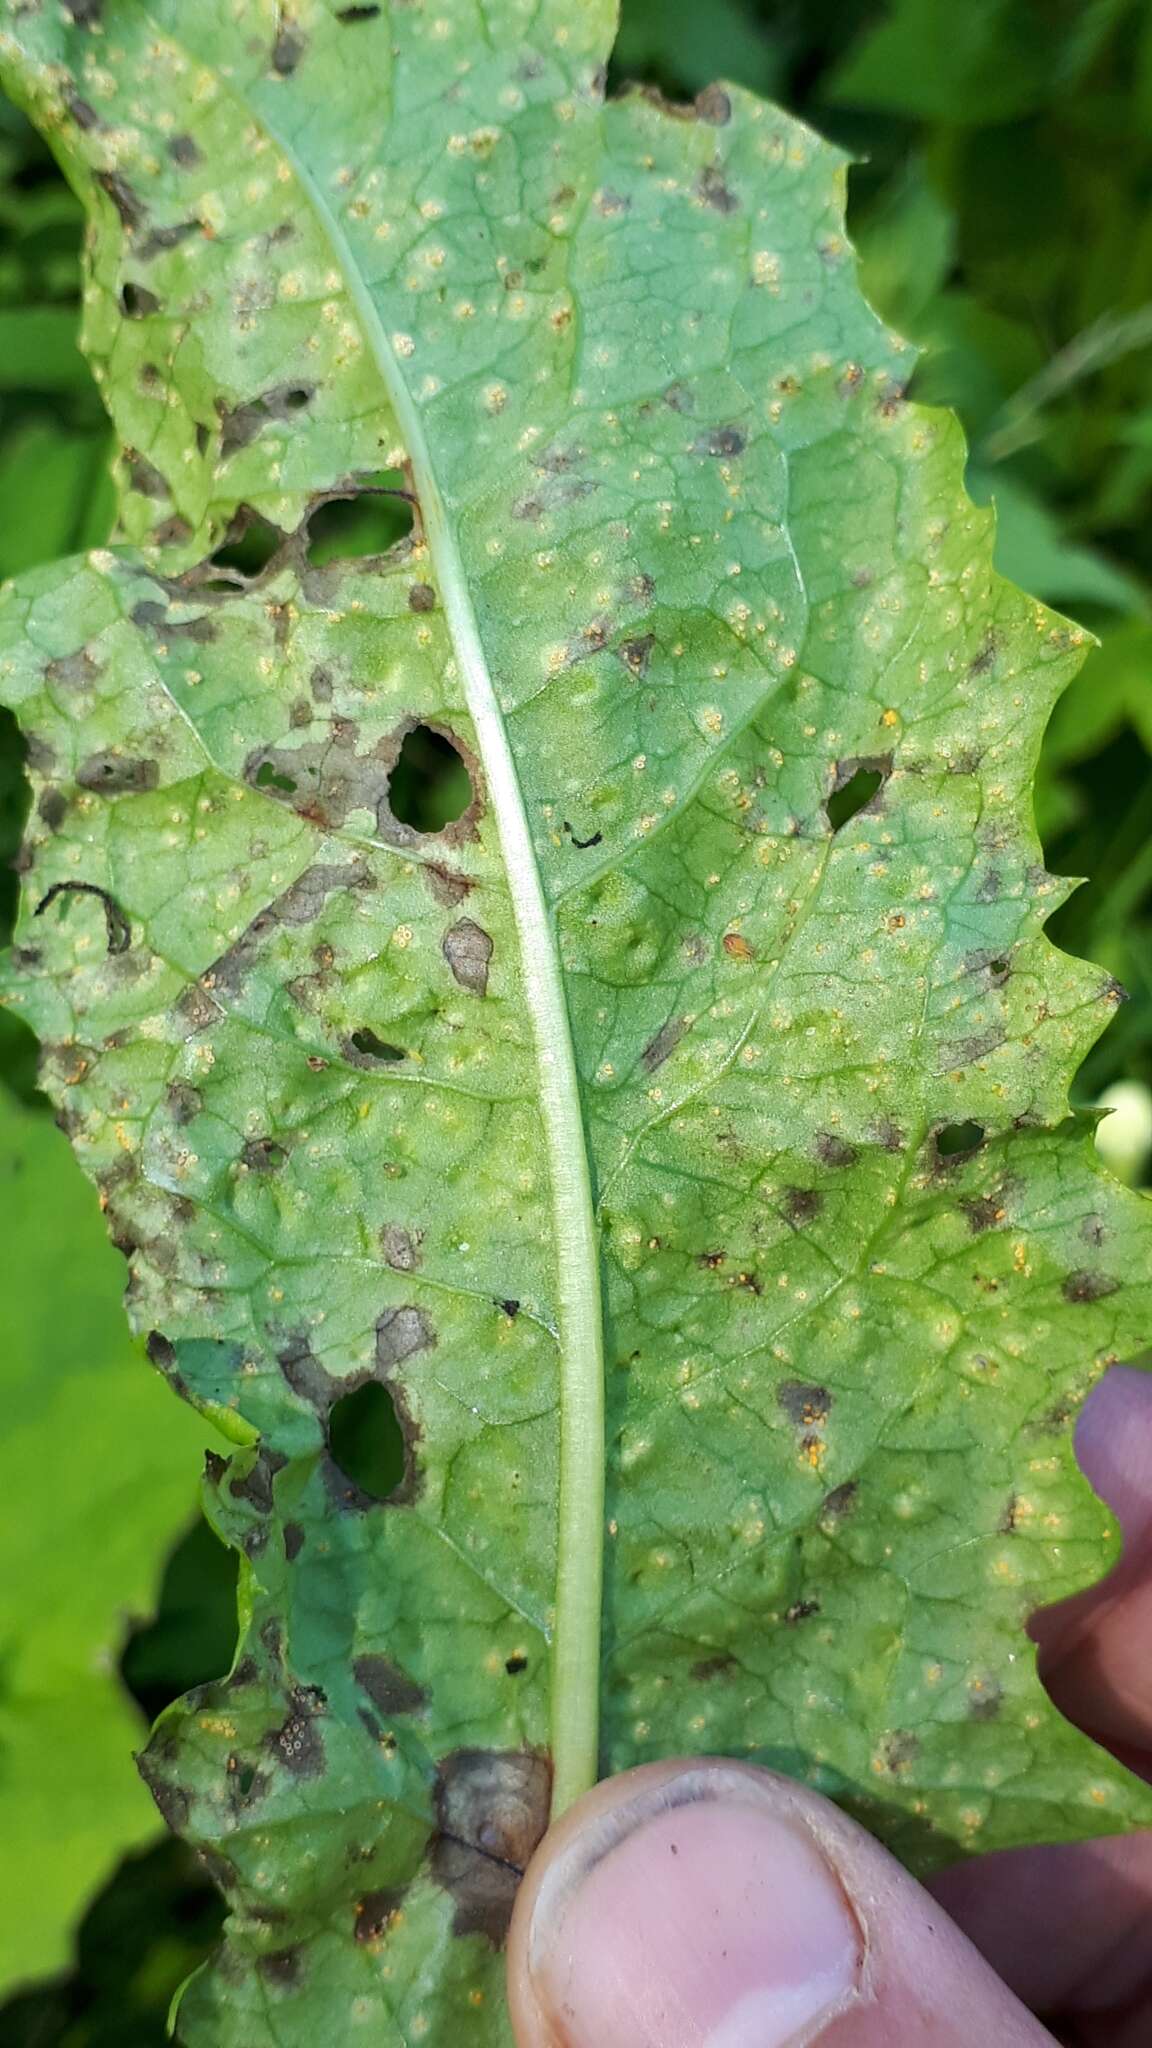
(575, 1674)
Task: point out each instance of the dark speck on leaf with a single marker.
(123, 198)
(142, 474)
(240, 424)
(354, 14)
(801, 1610)
(985, 1699)
(263, 1155)
(840, 1501)
(53, 808)
(808, 1407)
(834, 1151)
(184, 151)
(305, 1375)
(84, 115)
(714, 106)
(161, 1352)
(899, 1750)
(171, 237)
(720, 1666)
(183, 1101)
(255, 1485)
(636, 654)
(293, 1541)
(154, 618)
(1086, 1286)
(802, 1205)
(421, 598)
(173, 1801)
(664, 1044)
(85, 13)
(714, 191)
(983, 1212)
(375, 1909)
(288, 49)
(388, 1687)
(511, 1308)
(721, 441)
(297, 1743)
(284, 1968)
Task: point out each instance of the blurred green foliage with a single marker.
(1001, 208)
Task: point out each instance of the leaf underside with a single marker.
(773, 723)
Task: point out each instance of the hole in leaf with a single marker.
(998, 967)
(368, 524)
(245, 1779)
(268, 777)
(192, 1636)
(373, 1048)
(954, 1140)
(366, 1440)
(429, 787)
(249, 544)
(137, 302)
(860, 788)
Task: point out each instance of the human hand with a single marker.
(705, 1904)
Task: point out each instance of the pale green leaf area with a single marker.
(87, 1426)
(709, 1066)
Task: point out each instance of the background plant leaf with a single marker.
(86, 1423)
(858, 1268)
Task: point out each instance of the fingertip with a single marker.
(678, 1905)
(707, 1904)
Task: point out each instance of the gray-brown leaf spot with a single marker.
(467, 948)
(491, 1811)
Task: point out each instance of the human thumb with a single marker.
(703, 1904)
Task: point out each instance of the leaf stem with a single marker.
(580, 1534)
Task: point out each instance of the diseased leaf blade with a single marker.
(747, 726)
(86, 1427)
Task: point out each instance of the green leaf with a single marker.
(1031, 549)
(586, 958)
(1114, 687)
(974, 64)
(692, 46)
(906, 247)
(86, 1428)
(58, 482)
(38, 349)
